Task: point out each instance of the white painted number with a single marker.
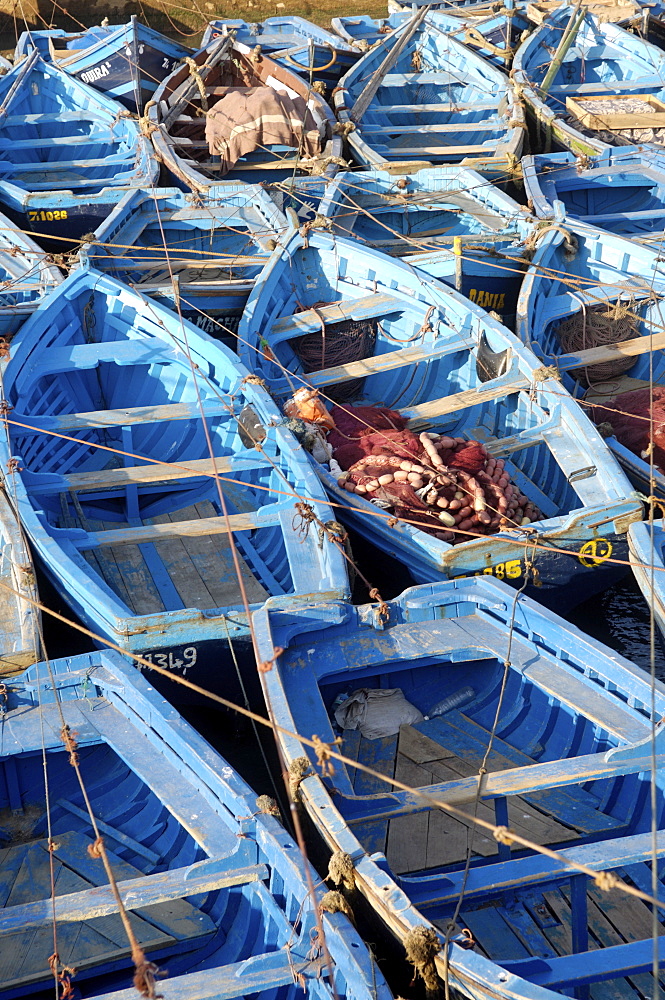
(167, 661)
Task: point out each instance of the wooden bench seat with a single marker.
(264, 517)
(520, 873)
(590, 966)
(159, 472)
(371, 306)
(484, 126)
(125, 417)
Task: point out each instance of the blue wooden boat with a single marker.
(200, 258)
(179, 131)
(608, 80)
(26, 276)
(620, 190)
(547, 733)
(495, 36)
(217, 891)
(447, 221)
(300, 45)
(563, 286)
(408, 103)
(125, 61)
(57, 134)
(409, 343)
(129, 524)
(646, 545)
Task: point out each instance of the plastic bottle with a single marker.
(452, 701)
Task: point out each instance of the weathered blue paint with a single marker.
(419, 219)
(213, 249)
(219, 888)
(552, 450)
(603, 59)
(572, 715)
(85, 144)
(646, 543)
(621, 190)
(225, 61)
(501, 31)
(125, 61)
(87, 360)
(605, 268)
(295, 42)
(432, 115)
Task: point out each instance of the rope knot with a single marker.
(64, 975)
(544, 372)
(341, 871)
(503, 836)
(298, 769)
(266, 805)
(71, 746)
(267, 665)
(96, 849)
(606, 881)
(323, 753)
(4, 349)
(334, 902)
(422, 945)
(383, 609)
(254, 380)
(145, 978)
(302, 519)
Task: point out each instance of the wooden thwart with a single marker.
(117, 418)
(263, 518)
(312, 320)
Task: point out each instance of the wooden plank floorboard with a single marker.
(201, 569)
(407, 835)
(494, 935)
(380, 756)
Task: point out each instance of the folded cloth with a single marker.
(250, 118)
(376, 712)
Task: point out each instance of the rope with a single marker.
(194, 71)
(598, 326)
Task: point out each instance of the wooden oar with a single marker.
(370, 88)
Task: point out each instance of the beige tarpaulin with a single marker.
(249, 118)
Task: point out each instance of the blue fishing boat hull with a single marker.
(447, 221)
(59, 135)
(125, 61)
(216, 889)
(621, 191)
(210, 256)
(605, 270)
(604, 61)
(101, 361)
(179, 135)
(585, 500)
(646, 543)
(26, 277)
(422, 111)
(306, 48)
(478, 681)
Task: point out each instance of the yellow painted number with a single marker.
(57, 215)
(595, 552)
(510, 570)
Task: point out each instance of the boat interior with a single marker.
(539, 719)
(152, 534)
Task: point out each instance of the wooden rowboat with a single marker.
(301, 46)
(544, 734)
(57, 134)
(619, 190)
(421, 98)
(605, 273)
(216, 891)
(609, 89)
(448, 221)
(449, 368)
(125, 61)
(200, 259)
(178, 131)
(121, 486)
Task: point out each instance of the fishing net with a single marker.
(628, 418)
(447, 486)
(597, 326)
(337, 344)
